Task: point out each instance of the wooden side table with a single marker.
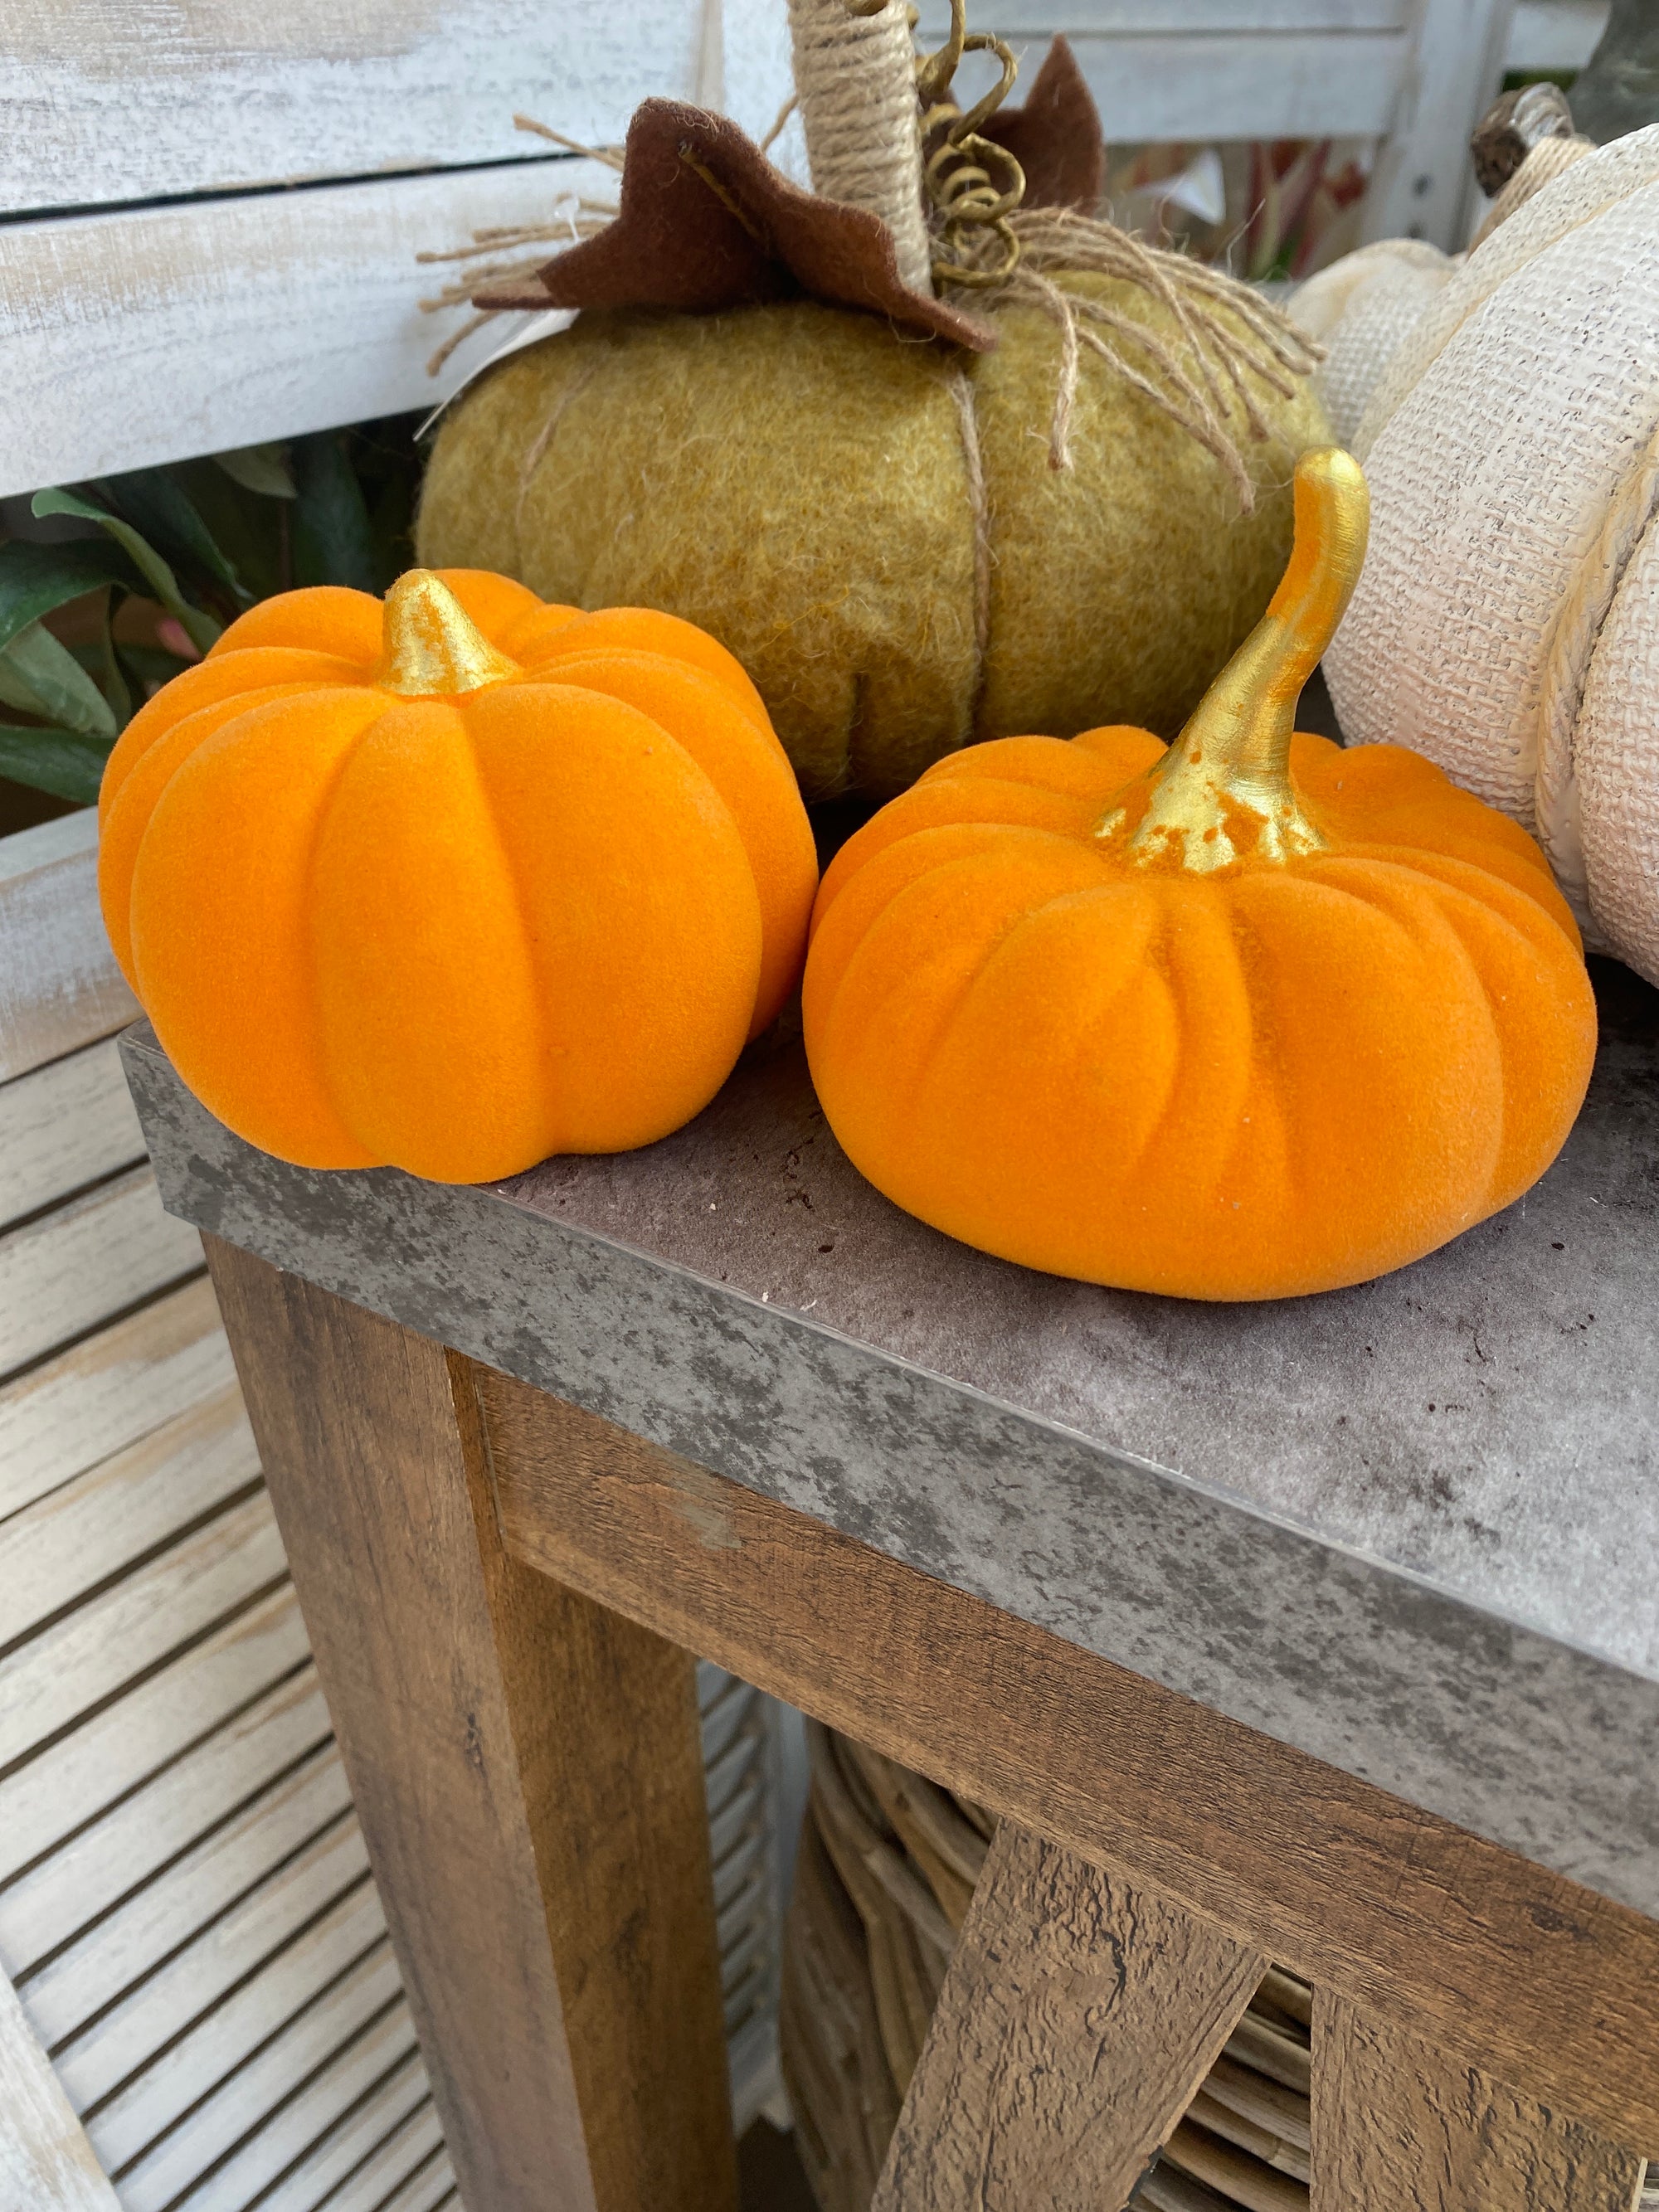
(1324, 1632)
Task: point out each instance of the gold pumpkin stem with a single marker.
(432, 648)
(1229, 772)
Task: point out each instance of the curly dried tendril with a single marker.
(973, 184)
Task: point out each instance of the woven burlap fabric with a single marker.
(1361, 308)
(1615, 754)
(1477, 631)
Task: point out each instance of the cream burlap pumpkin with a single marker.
(1361, 309)
(1507, 623)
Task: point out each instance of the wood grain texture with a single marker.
(138, 1734)
(218, 95)
(254, 318)
(206, 2059)
(1417, 1921)
(59, 986)
(105, 1393)
(1397, 2122)
(86, 1657)
(66, 1125)
(67, 1271)
(526, 1766)
(88, 1531)
(47, 2164)
(89, 1874)
(1077, 2017)
(309, 2048)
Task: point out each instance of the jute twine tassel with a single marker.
(856, 76)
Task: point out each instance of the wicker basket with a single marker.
(882, 1881)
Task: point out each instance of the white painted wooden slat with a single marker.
(1237, 85)
(47, 2164)
(66, 1125)
(206, 2059)
(403, 2154)
(352, 2074)
(1174, 18)
(91, 1529)
(1423, 185)
(433, 2186)
(371, 2150)
(59, 986)
(168, 1912)
(47, 1682)
(307, 2042)
(107, 1861)
(135, 1738)
(190, 1985)
(63, 1273)
(108, 1391)
(1553, 34)
(107, 103)
(163, 332)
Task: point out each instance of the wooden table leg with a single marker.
(1077, 2018)
(526, 1766)
(1396, 2124)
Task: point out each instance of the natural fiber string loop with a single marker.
(568, 227)
(855, 75)
(1577, 631)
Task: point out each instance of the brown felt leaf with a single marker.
(707, 222)
(1055, 136)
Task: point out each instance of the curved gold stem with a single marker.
(1223, 792)
(432, 648)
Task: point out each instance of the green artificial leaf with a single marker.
(62, 762)
(249, 529)
(156, 502)
(36, 580)
(40, 676)
(265, 469)
(159, 580)
(333, 543)
(102, 664)
(148, 667)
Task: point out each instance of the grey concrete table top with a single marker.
(1412, 1528)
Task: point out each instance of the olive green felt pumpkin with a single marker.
(917, 528)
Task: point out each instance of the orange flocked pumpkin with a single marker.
(458, 881)
(1252, 1017)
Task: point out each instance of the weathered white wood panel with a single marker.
(1174, 18)
(112, 1857)
(47, 2164)
(59, 985)
(297, 2053)
(321, 2104)
(63, 1127)
(168, 1912)
(207, 2056)
(432, 2186)
(107, 103)
(398, 2116)
(1221, 86)
(189, 1984)
(108, 1391)
(163, 332)
(1423, 182)
(1553, 34)
(73, 1781)
(86, 1532)
(48, 1682)
(71, 1269)
(409, 2146)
